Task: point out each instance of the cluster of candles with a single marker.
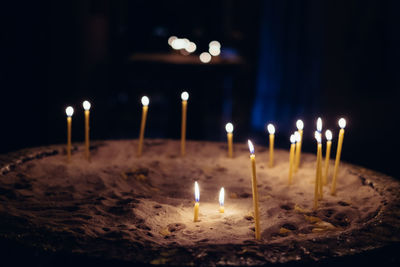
(294, 154)
(186, 47)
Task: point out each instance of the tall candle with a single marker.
(184, 97)
(145, 103)
(255, 191)
(317, 174)
(271, 130)
(342, 125)
(229, 135)
(197, 200)
(221, 200)
(300, 126)
(69, 111)
(291, 157)
(86, 107)
(328, 135)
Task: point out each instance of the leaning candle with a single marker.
(317, 174)
(271, 131)
(255, 192)
(300, 126)
(184, 97)
(86, 107)
(70, 111)
(229, 135)
(342, 124)
(221, 200)
(197, 199)
(145, 103)
(291, 157)
(328, 135)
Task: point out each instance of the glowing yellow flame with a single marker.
(145, 101)
(215, 44)
(171, 39)
(185, 96)
(205, 57)
(196, 192)
(221, 196)
(299, 124)
(86, 105)
(70, 111)
(271, 128)
(342, 123)
(328, 135)
(292, 139)
(251, 147)
(229, 127)
(297, 136)
(214, 51)
(317, 136)
(319, 124)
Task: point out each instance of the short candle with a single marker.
(229, 135)
(86, 107)
(145, 102)
(271, 131)
(342, 125)
(197, 199)
(328, 135)
(300, 126)
(69, 111)
(255, 191)
(221, 200)
(184, 97)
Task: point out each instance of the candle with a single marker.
(221, 200)
(342, 125)
(86, 107)
(184, 97)
(70, 111)
(328, 135)
(255, 192)
(291, 157)
(300, 126)
(229, 134)
(197, 199)
(271, 131)
(317, 174)
(145, 103)
(319, 159)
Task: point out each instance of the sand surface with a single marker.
(136, 209)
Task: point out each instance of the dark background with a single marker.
(296, 59)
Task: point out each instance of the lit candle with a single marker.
(229, 135)
(185, 97)
(145, 103)
(271, 131)
(86, 107)
(328, 135)
(70, 111)
(317, 174)
(197, 199)
(319, 165)
(342, 125)
(291, 157)
(300, 126)
(255, 192)
(221, 200)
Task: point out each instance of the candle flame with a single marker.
(299, 124)
(70, 111)
(319, 124)
(185, 96)
(328, 135)
(317, 136)
(271, 128)
(292, 139)
(86, 105)
(196, 192)
(145, 101)
(229, 127)
(251, 147)
(221, 196)
(342, 123)
(297, 136)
